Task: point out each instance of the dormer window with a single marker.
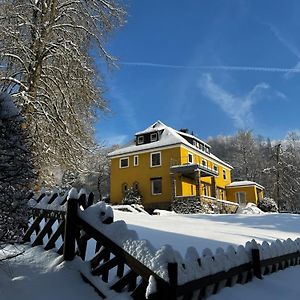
(153, 137)
(140, 140)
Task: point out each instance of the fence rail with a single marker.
(122, 271)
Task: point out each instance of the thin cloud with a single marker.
(285, 42)
(289, 45)
(239, 109)
(208, 68)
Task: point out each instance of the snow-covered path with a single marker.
(210, 231)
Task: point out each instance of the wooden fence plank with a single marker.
(121, 283)
(106, 266)
(39, 239)
(139, 291)
(32, 228)
(51, 242)
(70, 229)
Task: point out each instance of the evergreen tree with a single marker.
(16, 172)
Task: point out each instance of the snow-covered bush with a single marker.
(16, 172)
(267, 205)
(132, 196)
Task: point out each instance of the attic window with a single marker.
(140, 140)
(206, 149)
(153, 137)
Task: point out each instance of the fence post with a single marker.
(173, 280)
(70, 229)
(256, 263)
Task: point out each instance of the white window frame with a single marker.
(135, 160)
(152, 186)
(190, 155)
(120, 164)
(160, 159)
(204, 163)
(140, 139)
(224, 175)
(216, 168)
(153, 137)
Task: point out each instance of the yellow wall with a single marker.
(250, 191)
(184, 186)
(142, 174)
(219, 180)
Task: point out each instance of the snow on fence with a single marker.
(126, 263)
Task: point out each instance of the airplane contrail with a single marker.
(208, 67)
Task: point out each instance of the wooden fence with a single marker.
(130, 274)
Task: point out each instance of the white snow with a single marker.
(39, 274)
(211, 231)
(244, 183)
(249, 209)
(277, 286)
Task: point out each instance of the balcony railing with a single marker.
(185, 164)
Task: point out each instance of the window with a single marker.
(124, 187)
(136, 160)
(224, 174)
(156, 186)
(124, 162)
(204, 163)
(240, 198)
(216, 168)
(202, 147)
(140, 139)
(155, 159)
(136, 186)
(153, 137)
(205, 191)
(190, 158)
(206, 149)
(197, 145)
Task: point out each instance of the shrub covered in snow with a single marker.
(16, 171)
(249, 209)
(268, 205)
(132, 196)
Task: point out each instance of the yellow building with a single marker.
(165, 164)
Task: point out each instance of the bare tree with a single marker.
(45, 60)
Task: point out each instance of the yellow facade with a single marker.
(185, 167)
(252, 193)
(142, 175)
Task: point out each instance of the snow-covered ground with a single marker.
(210, 231)
(38, 274)
(43, 274)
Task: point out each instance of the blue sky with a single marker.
(211, 66)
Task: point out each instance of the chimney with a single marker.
(184, 130)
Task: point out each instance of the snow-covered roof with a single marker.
(244, 183)
(169, 137)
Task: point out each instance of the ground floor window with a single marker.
(156, 186)
(124, 187)
(240, 198)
